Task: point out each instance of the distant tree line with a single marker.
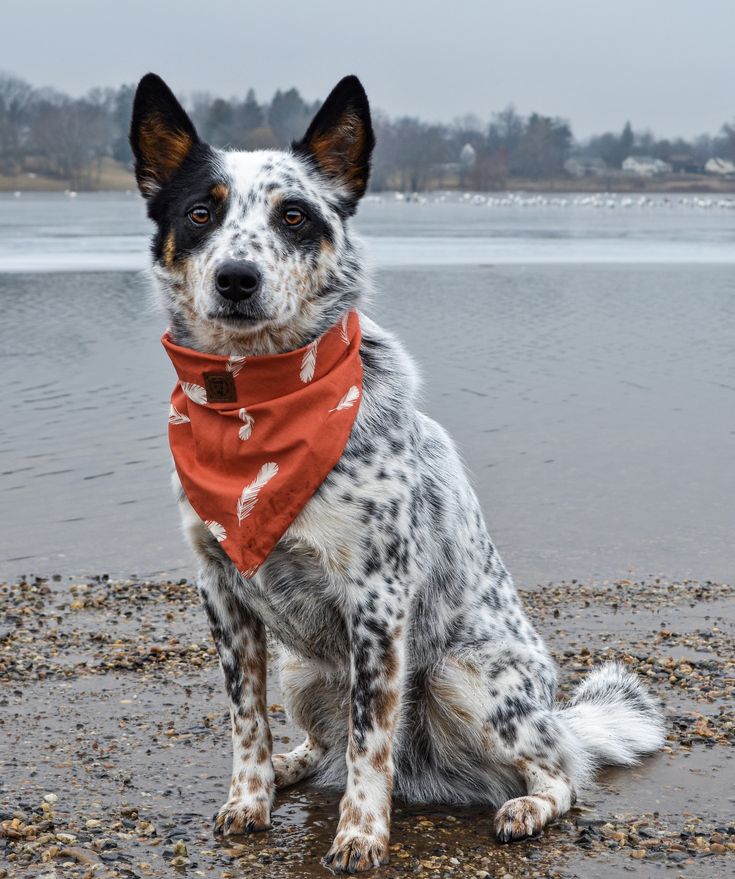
(47, 132)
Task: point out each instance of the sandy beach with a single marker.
(115, 744)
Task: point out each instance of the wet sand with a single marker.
(115, 744)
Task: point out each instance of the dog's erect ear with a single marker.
(161, 134)
(340, 139)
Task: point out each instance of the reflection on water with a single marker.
(594, 404)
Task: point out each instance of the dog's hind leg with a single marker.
(528, 735)
(550, 794)
(496, 703)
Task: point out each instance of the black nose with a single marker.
(237, 279)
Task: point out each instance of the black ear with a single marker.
(161, 134)
(340, 139)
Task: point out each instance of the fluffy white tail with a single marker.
(613, 717)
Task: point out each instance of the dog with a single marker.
(405, 654)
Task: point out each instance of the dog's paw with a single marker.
(288, 769)
(353, 852)
(241, 816)
(291, 768)
(519, 819)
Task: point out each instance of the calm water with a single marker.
(582, 353)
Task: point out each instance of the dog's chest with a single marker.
(300, 591)
(300, 606)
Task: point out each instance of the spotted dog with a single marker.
(405, 653)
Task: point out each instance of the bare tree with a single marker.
(15, 98)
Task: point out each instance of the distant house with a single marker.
(645, 166)
(467, 156)
(720, 167)
(580, 166)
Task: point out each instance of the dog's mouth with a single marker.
(244, 316)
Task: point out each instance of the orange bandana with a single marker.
(254, 437)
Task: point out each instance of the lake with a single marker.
(580, 349)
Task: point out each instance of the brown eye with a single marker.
(199, 215)
(293, 217)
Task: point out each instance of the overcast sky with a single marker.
(668, 66)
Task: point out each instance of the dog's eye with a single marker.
(199, 215)
(293, 217)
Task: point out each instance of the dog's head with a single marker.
(252, 251)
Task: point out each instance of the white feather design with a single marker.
(343, 331)
(250, 572)
(308, 362)
(218, 531)
(249, 497)
(247, 427)
(195, 393)
(235, 364)
(176, 417)
(349, 399)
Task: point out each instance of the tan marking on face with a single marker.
(220, 192)
(169, 249)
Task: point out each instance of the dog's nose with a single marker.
(237, 279)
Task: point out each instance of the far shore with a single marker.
(113, 177)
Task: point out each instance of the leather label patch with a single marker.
(220, 387)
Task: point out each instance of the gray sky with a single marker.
(668, 66)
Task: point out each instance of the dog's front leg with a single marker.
(240, 640)
(377, 651)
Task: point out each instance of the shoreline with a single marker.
(132, 789)
(675, 185)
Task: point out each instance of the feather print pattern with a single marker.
(343, 329)
(218, 531)
(176, 417)
(235, 364)
(249, 496)
(195, 393)
(349, 399)
(248, 422)
(308, 362)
